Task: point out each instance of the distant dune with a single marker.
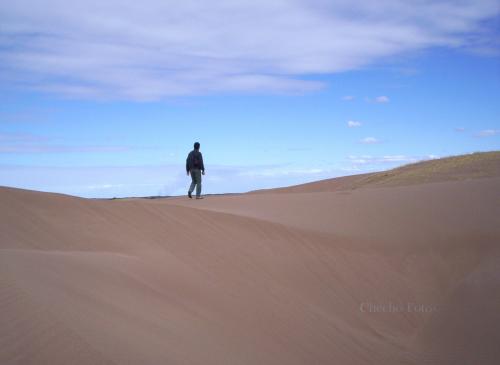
(396, 267)
(475, 165)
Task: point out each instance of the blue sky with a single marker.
(107, 100)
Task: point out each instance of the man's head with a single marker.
(197, 146)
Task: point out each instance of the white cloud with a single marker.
(104, 186)
(368, 159)
(33, 143)
(396, 158)
(370, 140)
(21, 138)
(459, 129)
(488, 132)
(156, 49)
(381, 99)
(353, 124)
(348, 98)
(43, 148)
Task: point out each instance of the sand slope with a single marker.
(283, 277)
(453, 168)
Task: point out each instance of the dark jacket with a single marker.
(194, 161)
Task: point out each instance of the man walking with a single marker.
(194, 165)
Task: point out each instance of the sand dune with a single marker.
(453, 168)
(357, 270)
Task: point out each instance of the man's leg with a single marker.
(198, 183)
(193, 183)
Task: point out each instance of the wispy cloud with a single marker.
(353, 124)
(370, 140)
(459, 129)
(155, 49)
(369, 162)
(21, 138)
(488, 132)
(381, 99)
(26, 115)
(32, 143)
(40, 148)
(368, 159)
(348, 98)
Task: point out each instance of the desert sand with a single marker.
(396, 267)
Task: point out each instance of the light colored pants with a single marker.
(195, 181)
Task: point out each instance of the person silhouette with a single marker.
(195, 167)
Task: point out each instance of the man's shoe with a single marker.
(189, 194)
(199, 197)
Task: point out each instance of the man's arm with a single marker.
(202, 165)
(188, 162)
